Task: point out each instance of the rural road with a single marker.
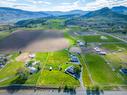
(116, 37)
(55, 92)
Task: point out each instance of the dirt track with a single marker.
(34, 41)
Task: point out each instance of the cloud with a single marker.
(104, 3)
(38, 2)
(66, 5)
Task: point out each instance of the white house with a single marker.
(32, 70)
(32, 55)
(102, 53)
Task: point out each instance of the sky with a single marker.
(61, 5)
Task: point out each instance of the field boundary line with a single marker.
(43, 66)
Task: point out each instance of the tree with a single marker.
(22, 73)
(77, 70)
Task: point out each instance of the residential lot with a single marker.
(45, 77)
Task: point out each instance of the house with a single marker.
(36, 62)
(32, 55)
(78, 41)
(81, 44)
(1, 65)
(124, 71)
(102, 53)
(32, 70)
(74, 58)
(97, 49)
(71, 71)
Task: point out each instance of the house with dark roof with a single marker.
(123, 71)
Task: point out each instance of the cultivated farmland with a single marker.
(34, 41)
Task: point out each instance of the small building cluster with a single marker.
(99, 51)
(32, 65)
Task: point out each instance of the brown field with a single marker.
(34, 41)
(24, 57)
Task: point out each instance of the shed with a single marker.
(50, 69)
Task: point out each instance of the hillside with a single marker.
(105, 13)
(73, 12)
(13, 15)
(120, 9)
(10, 14)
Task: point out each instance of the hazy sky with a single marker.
(60, 5)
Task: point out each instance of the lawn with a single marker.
(10, 69)
(117, 59)
(98, 38)
(101, 73)
(57, 78)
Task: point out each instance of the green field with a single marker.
(114, 46)
(101, 73)
(118, 59)
(85, 75)
(97, 38)
(3, 35)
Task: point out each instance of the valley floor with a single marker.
(99, 59)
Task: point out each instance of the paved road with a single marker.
(55, 92)
(115, 37)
